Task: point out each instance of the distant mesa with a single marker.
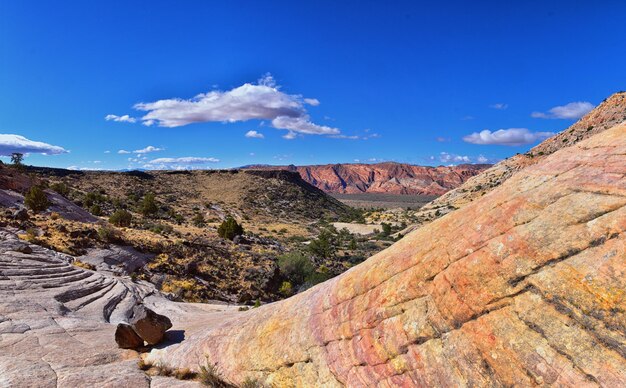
(382, 178)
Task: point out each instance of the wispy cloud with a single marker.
(445, 157)
(184, 160)
(123, 152)
(499, 106)
(571, 111)
(509, 137)
(254, 135)
(120, 119)
(147, 150)
(182, 163)
(259, 101)
(454, 159)
(10, 143)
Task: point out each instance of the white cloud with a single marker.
(184, 160)
(453, 158)
(442, 139)
(120, 119)
(509, 137)
(290, 135)
(254, 135)
(260, 101)
(303, 125)
(107, 152)
(482, 159)
(147, 150)
(15, 143)
(123, 152)
(499, 106)
(571, 111)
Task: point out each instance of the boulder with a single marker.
(126, 338)
(21, 215)
(149, 325)
(23, 248)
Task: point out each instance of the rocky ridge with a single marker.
(523, 286)
(388, 177)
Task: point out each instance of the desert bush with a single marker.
(161, 228)
(149, 205)
(211, 376)
(286, 288)
(121, 218)
(184, 374)
(295, 267)
(36, 199)
(198, 220)
(249, 382)
(324, 246)
(229, 229)
(109, 234)
(95, 209)
(61, 188)
(386, 229)
(92, 198)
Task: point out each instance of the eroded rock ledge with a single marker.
(524, 286)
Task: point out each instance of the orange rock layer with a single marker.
(524, 286)
(389, 178)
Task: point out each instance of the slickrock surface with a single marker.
(53, 322)
(388, 177)
(609, 113)
(524, 286)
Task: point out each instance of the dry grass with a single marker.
(84, 265)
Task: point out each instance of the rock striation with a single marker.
(55, 321)
(523, 286)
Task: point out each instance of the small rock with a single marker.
(21, 215)
(23, 248)
(149, 325)
(126, 337)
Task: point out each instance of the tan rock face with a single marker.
(391, 178)
(523, 286)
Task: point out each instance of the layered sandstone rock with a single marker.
(390, 178)
(523, 286)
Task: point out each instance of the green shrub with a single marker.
(386, 229)
(286, 288)
(93, 198)
(229, 229)
(61, 188)
(324, 245)
(198, 220)
(36, 199)
(148, 205)
(109, 234)
(121, 218)
(95, 209)
(296, 267)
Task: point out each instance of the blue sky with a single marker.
(321, 82)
